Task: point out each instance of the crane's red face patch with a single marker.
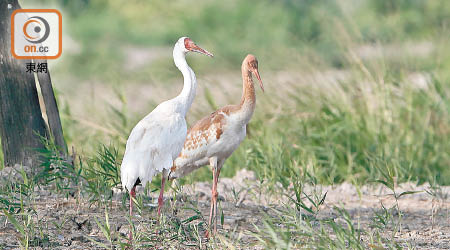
(188, 43)
(191, 46)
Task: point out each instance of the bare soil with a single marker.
(69, 223)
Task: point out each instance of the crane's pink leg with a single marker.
(161, 196)
(132, 196)
(213, 164)
(213, 192)
(216, 194)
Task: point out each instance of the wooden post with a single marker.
(21, 122)
(51, 108)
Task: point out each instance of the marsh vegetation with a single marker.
(348, 141)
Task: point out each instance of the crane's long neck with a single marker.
(248, 100)
(186, 97)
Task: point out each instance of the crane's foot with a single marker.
(210, 233)
(130, 241)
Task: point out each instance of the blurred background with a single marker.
(355, 89)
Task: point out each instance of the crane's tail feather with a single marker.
(144, 168)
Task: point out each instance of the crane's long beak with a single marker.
(196, 48)
(259, 79)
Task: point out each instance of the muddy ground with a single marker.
(71, 223)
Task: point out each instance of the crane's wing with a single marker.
(152, 146)
(199, 139)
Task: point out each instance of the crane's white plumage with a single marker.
(158, 138)
(153, 144)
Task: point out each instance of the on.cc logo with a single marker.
(41, 29)
(36, 34)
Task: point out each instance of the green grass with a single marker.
(350, 129)
(354, 135)
(336, 115)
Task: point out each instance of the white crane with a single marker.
(157, 139)
(215, 137)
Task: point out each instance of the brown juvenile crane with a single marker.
(215, 137)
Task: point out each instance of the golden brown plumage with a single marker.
(215, 137)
